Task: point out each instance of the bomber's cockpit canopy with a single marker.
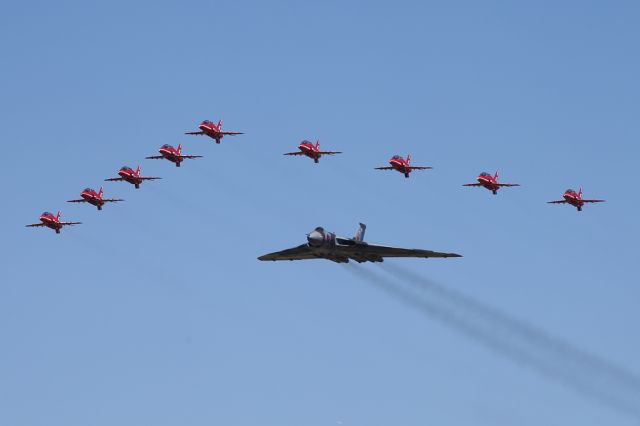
(126, 169)
(485, 174)
(319, 229)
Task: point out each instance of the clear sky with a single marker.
(155, 311)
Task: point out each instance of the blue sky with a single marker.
(156, 311)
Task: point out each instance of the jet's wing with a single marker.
(118, 179)
(507, 184)
(471, 184)
(34, 225)
(77, 201)
(384, 168)
(148, 177)
(301, 252)
(194, 133)
(190, 157)
(155, 157)
(593, 201)
(231, 133)
(70, 223)
(329, 152)
(557, 202)
(419, 168)
(112, 200)
(385, 251)
(294, 153)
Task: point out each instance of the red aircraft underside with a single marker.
(94, 198)
(312, 151)
(50, 221)
(491, 183)
(127, 174)
(212, 130)
(402, 165)
(172, 154)
(575, 199)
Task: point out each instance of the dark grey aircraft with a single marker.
(325, 245)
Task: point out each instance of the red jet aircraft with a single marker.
(172, 154)
(575, 199)
(312, 151)
(133, 177)
(490, 182)
(50, 221)
(403, 166)
(92, 197)
(213, 131)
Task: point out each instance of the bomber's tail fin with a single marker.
(360, 232)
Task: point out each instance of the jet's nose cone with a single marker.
(315, 239)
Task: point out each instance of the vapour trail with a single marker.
(515, 345)
(575, 356)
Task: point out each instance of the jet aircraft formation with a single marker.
(320, 243)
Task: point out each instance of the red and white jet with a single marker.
(490, 182)
(92, 197)
(575, 199)
(312, 151)
(50, 221)
(172, 154)
(403, 166)
(129, 175)
(212, 130)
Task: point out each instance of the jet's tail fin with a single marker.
(138, 171)
(580, 193)
(219, 125)
(58, 215)
(318, 144)
(179, 149)
(360, 232)
(100, 192)
(496, 175)
(408, 158)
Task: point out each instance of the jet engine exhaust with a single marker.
(552, 358)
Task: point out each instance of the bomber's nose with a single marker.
(315, 239)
